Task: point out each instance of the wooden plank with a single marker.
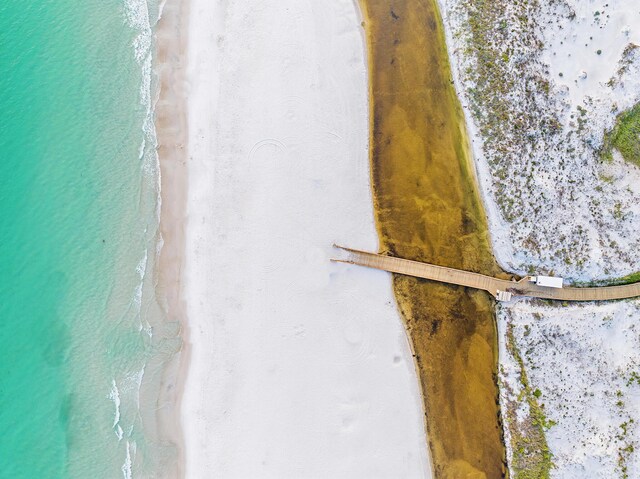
(483, 282)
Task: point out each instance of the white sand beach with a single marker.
(298, 367)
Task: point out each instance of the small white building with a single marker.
(547, 281)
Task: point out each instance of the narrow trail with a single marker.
(494, 286)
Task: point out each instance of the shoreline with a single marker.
(170, 56)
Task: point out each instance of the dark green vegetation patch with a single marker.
(625, 137)
(532, 458)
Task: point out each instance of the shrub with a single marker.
(625, 136)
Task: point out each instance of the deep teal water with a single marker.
(78, 227)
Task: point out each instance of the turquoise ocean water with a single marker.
(78, 226)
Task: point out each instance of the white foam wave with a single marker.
(142, 265)
(127, 467)
(137, 378)
(137, 15)
(141, 269)
(114, 395)
(142, 149)
(138, 18)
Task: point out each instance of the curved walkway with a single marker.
(494, 286)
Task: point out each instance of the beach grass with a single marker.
(532, 458)
(628, 279)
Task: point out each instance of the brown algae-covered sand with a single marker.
(428, 209)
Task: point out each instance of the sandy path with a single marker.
(299, 367)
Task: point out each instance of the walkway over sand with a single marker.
(497, 287)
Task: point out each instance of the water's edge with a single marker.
(169, 64)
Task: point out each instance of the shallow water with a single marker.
(428, 209)
(78, 223)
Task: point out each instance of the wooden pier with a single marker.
(501, 289)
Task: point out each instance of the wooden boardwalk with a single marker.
(524, 287)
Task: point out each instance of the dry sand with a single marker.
(297, 367)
